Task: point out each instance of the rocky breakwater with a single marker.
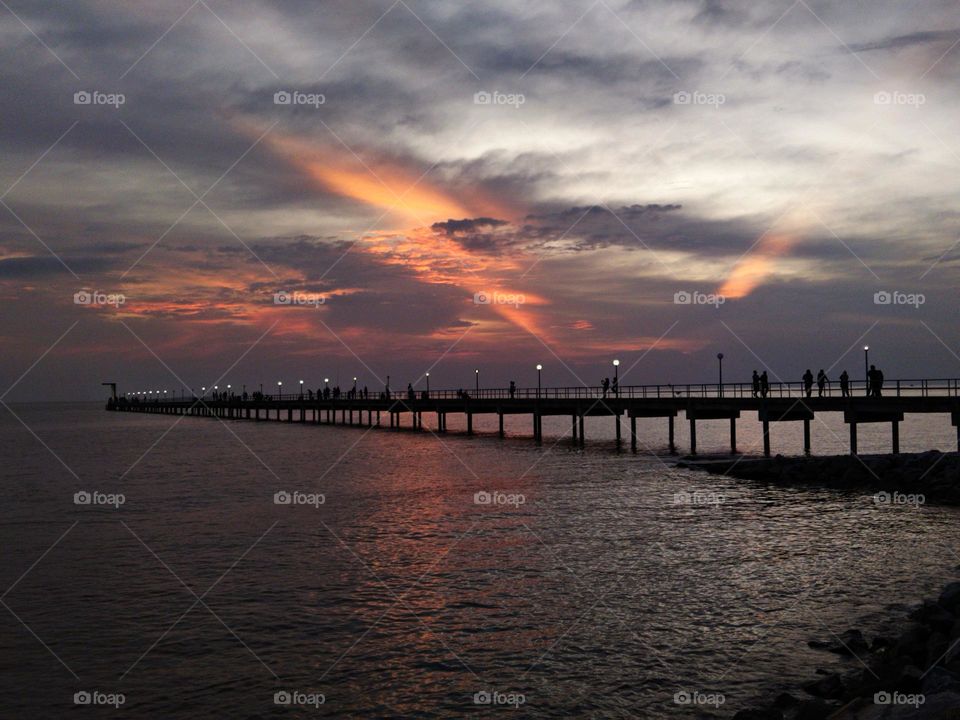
(933, 475)
(915, 674)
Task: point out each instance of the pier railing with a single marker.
(921, 387)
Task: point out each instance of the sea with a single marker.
(179, 567)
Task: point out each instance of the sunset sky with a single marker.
(792, 158)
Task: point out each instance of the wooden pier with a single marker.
(786, 402)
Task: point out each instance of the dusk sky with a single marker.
(582, 165)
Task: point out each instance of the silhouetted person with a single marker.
(410, 394)
(872, 381)
(756, 383)
(808, 382)
(513, 389)
(879, 388)
(616, 387)
(764, 384)
(366, 393)
(605, 386)
(821, 382)
(844, 384)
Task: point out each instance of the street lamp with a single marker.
(539, 369)
(477, 373)
(301, 389)
(428, 384)
(204, 389)
(720, 378)
(866, 366)
(279, 389)
(616, 377)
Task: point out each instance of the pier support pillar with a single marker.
(633, 433)
(469, 423)
(582, 437)
(574, 433)
(617, 420)
(501, 423)
(806, 437)
(733, 436)
(895, 429)
(853, 438)
(693, 436)
(670, 433)
(289, 414)
(766, 438)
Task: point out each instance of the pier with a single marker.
(785, 402)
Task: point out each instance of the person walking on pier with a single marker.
(605, 386)
(808, 382)
(845, 384)
(875, 379)
(764, 384)
(821, 382)
(616, 387)
(410, 394)
(756, 384)
(513, 389)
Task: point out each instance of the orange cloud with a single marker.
(753, 269)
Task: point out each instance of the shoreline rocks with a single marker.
(918, 478)
(913, 675)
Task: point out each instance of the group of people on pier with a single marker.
(761, 383)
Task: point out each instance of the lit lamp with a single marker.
(428, 384)
(539, 369)
(866, 368)
(616, 376)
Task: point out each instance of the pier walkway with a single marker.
(785, 402)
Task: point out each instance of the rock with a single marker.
(785, 700)
(939, 680)
(759, 714)
(909, 679)
(814, 710)
(950, 597)
(830, 686)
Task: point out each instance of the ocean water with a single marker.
(589, 587)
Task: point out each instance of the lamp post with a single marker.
(866, 368)
(228, 390)
(616, 378)
(279, 390)
(428, 384)
(539, 370)
(354, 386)
(720, 376)
(477, 386)
(204, 391)
(301, 389)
